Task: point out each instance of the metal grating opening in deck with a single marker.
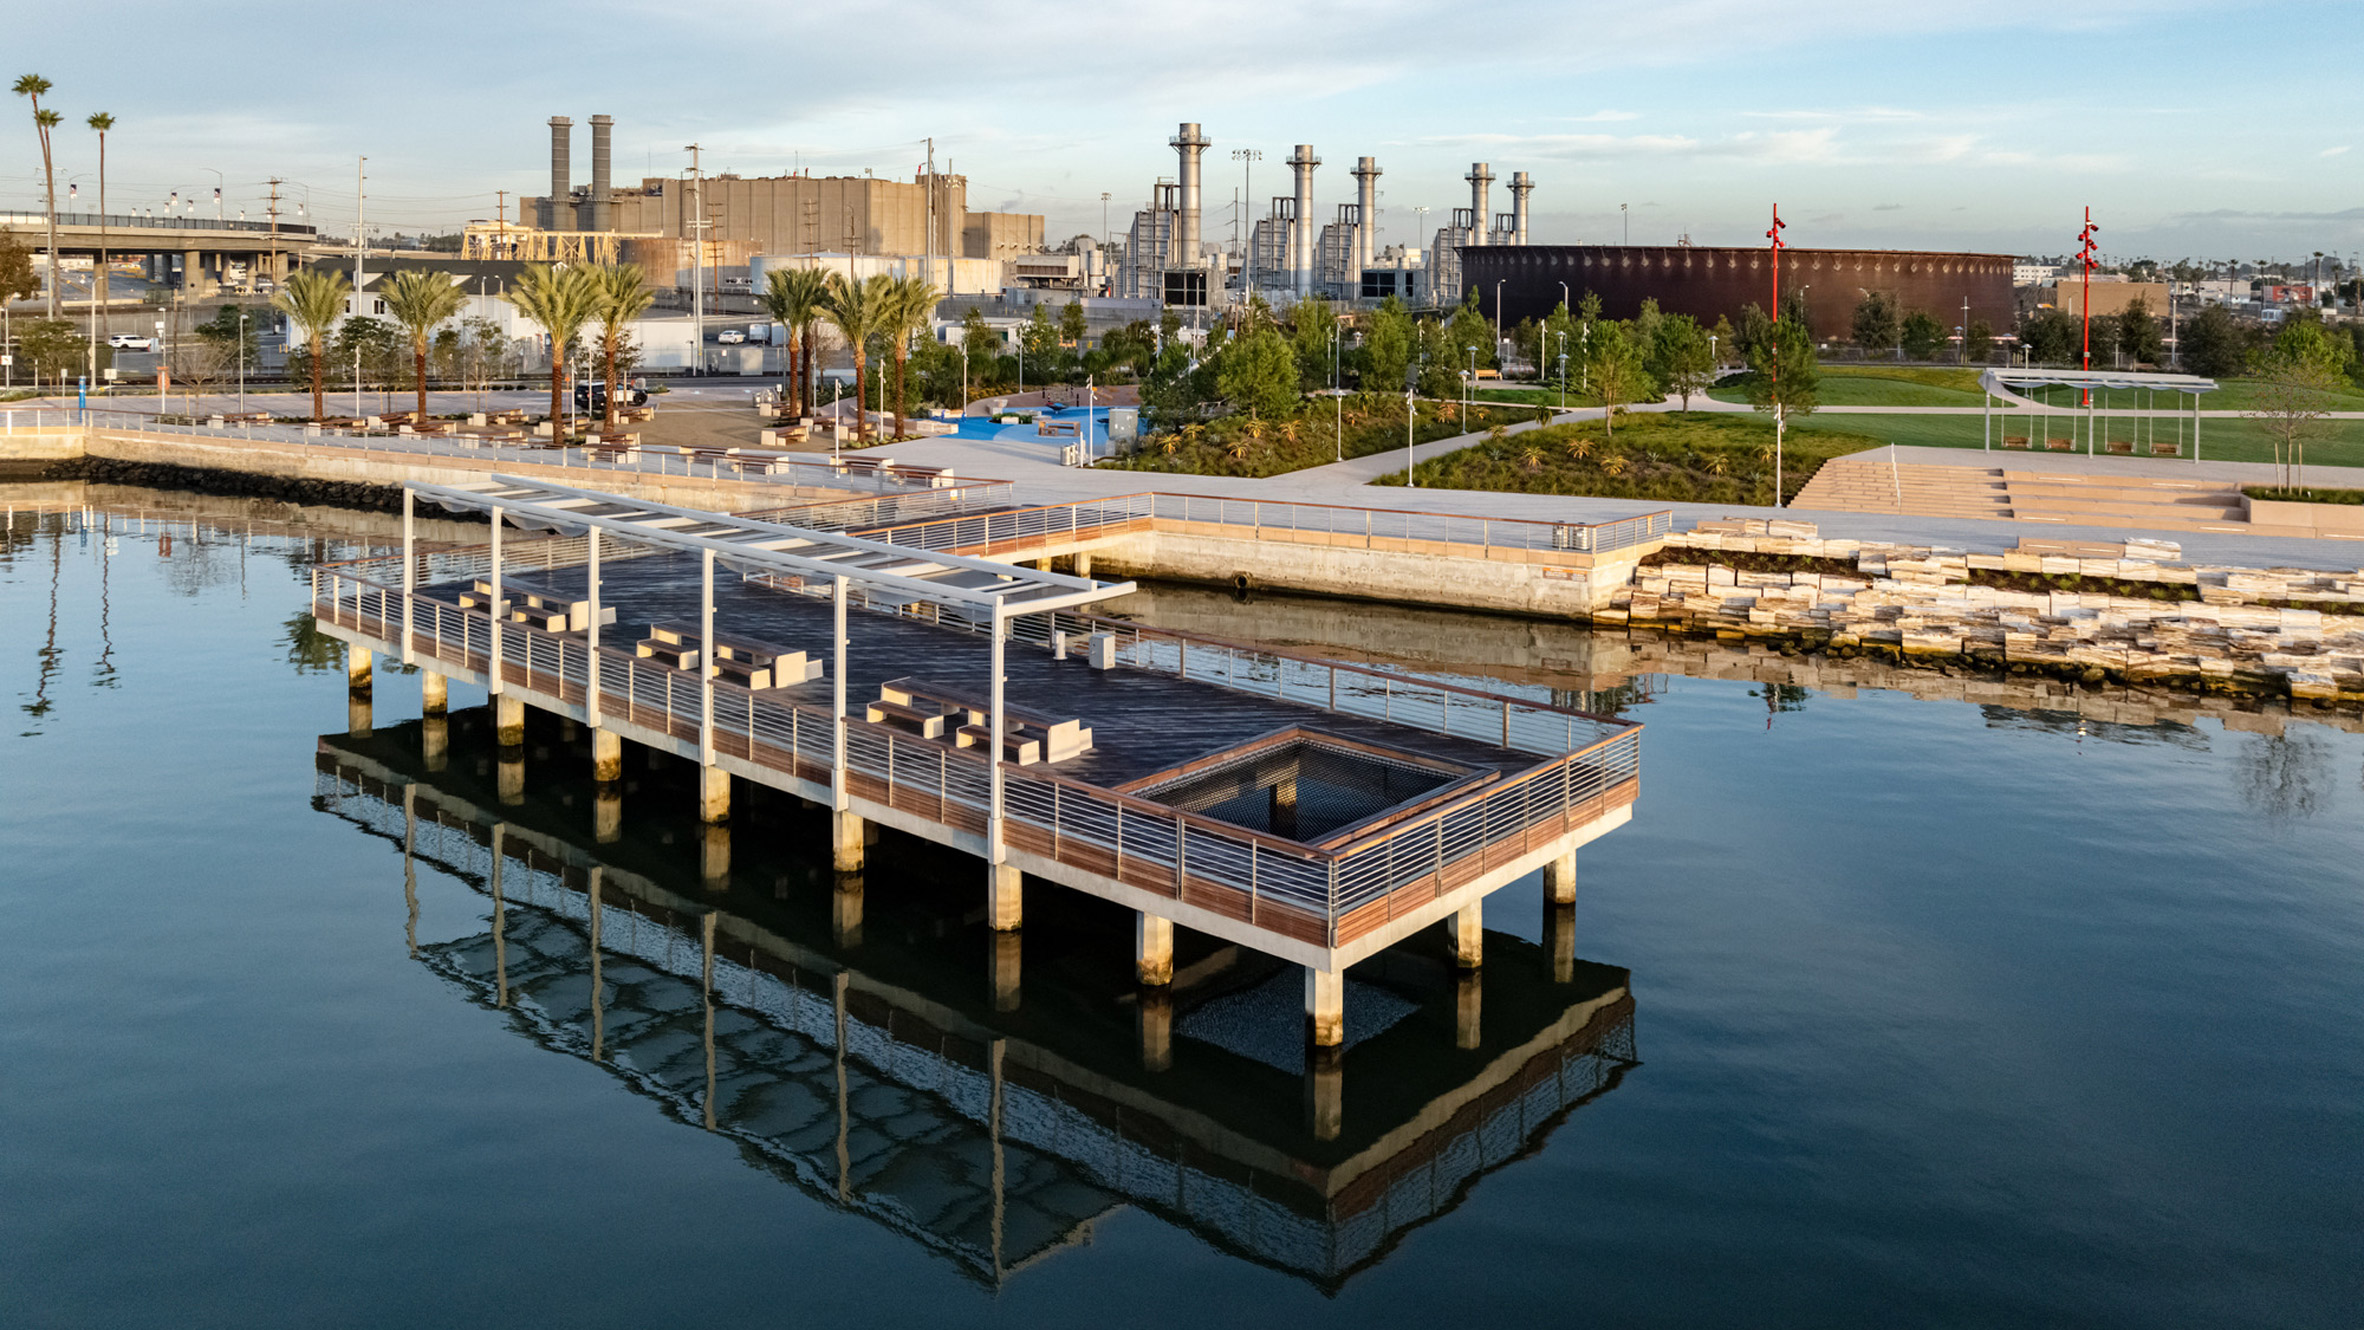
(1301, 786)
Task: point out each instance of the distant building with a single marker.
(2028, 272)
(2109, 297)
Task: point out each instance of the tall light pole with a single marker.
(242, 363)
(1468, 387)
(1626, 216)
(697, 231)
(1247, 158)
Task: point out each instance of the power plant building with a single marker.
(1710, 282)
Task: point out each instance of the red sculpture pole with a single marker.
(2085, 258)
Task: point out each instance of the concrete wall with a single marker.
(31, 450)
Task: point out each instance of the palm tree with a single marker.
(793, 297)
(32, 86)
(102, 122)
(419, 300)
(622, 294)
(559, 301)
(911, 306)
(313, 299)
(857, 310)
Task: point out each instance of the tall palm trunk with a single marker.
(811, 398)
(418, 351)
(861, 377)
(557, 371)
(319, 411)
(611, 384)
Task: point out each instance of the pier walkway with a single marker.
(1313, 811)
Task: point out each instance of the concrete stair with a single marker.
(2145, 502)
(1854, 485)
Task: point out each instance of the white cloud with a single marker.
(2334, 152)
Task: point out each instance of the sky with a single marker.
(2199, 130)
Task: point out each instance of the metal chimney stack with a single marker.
(602, 214)
(561, 178)
(1521, 185)
(1366, 219)
(1481, 180)
(1301, 164)
(1189, 145)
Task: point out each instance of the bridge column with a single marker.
(1004, 902)
(714, 795)
(1325, 1007)
(1153, 949)
(1469, 935)
(1559, 880)
(508, 721)
(1559, 938)
(358, 661)
(434, 694)
(1083, 565)
(607, 756)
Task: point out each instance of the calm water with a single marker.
(1937, 1014)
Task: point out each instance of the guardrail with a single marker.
(1325, 896)
(1370, 527)
(117, 221)
(738, 464)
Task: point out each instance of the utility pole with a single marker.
(360, 247)
(931, 241)
(1247, 158)
(697, 230)
(272, 211)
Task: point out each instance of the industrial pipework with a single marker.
(1366, 212)
(1521, 185)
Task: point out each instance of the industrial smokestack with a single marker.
(1189, 145)
(1521, 185)
(550, 214)
(602, 218)
(1301, 164)
(1366, 216)
(1481, 180)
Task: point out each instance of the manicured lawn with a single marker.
(2340, 444)
(1680, 457)
(2230, 395)
(1364, 424)
(1858, 385)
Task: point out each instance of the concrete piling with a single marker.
(1153, 949)
(357, 668)
(435, 742)
(511, 779)
(434, 694)
(1559, 880)
(508, 721)
(1005, 902)
(714, 795)
(1325, 1007)
(1005, 971)
(1157, 1030)
(1325, 1093)
(845, 910)
(846, 841)
(607, 814)
(607, 756)
(358, 713)
(1468, 999)
(1469, 937)
(715, 861)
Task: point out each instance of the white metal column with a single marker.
(993, 846)
(591, 638)
(839, 798)
(706, 659)
(409, 573)
(493, 677)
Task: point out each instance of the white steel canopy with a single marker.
(749, 546)
(2013, 380)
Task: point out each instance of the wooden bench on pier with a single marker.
(2017, 441)
(1028, 736)
(2061, 445)
(747, 661)
(543, 607)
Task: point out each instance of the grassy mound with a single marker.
(1674, 456)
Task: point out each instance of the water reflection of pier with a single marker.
(875, 1072)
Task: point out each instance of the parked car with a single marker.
(593, 396)
(731, 337)
(131, 342)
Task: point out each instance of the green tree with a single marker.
(2213, 343)
(793, 298)
(1619, 374)
(421, 300)
(31, 86)
(17, 281)
(1681, 358)
(910, 308)
(238, 330)
(1921, 335)
(559, 301)
(101, 122)
(1978, 342)
(1311, 324)
(1470, 331)
(619, 294)
(1170, 395)
(2050, 337)
(1784, 380)
(858, 310)
(1756, 330)
(2296, 379)
(373, 346)
(1073, 326)
(313, 299)
(51, 348)
(1258, 374)
(2138, 334)
(1876, 324)
(2100, 341)
(1387, 346)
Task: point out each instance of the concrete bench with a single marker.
(2018, 441)
(678, 655)
(2060, 445)
(2166, 450)
(746, 660)
(926, 723)
(1017, 745)
(1061, 737)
